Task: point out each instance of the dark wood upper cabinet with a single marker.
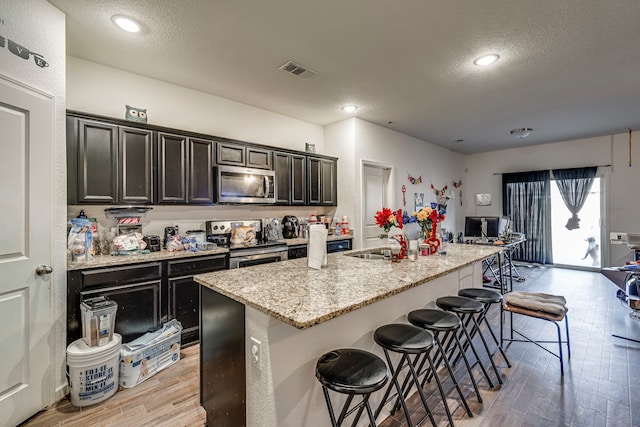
(172, 168)
(135, 174)
(114, 161)
(322, 185)
(290, 172)
(109, 163)
(185, 169)
(258, 158)
(282, 168)
(329, 187)
(200, 171)
(230, 154)
(242, 155)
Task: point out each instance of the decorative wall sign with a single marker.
(404, 190)
(418, 198)
(309, 148)
(483, 199)
(22, 52)
(441, 196)
(458, 185)
(135, 114)
(414, 181)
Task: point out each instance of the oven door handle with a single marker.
(257, 251)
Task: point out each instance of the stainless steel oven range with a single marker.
(246, 242)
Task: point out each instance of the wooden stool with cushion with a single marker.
(537, 305)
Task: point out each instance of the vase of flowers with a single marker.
(428, 218)
(386, 219)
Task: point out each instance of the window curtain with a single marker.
(526, 201)
(575, 185)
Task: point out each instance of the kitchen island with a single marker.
(281, 317)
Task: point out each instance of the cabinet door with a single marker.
(97, 166)
(135, 175)
(200, 171)
(184, 305)
(258, 158)
(329, 185)
(313, 185)
(282, 168)
(138, 307)
(298, 179)
(172, 164)
(230, 154)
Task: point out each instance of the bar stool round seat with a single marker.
(486, 296)
(462, 305)
(350, 370)
(403, 338)
(434, 320)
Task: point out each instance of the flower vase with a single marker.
(432, 242)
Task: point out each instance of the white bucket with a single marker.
(93, 371)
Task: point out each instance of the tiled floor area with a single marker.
(599, 387)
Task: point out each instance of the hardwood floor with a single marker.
(169, 398)
(598, 388)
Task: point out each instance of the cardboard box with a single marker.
(151, 353)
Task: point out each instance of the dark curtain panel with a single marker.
(575, 185)
(526, 201)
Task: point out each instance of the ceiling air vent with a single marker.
(297, 70)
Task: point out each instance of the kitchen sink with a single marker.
(369, 254)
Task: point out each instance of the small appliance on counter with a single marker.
(168, 232)
(153, 243)
(272, 230)
(290, 227)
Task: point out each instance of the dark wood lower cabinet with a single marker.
(147, 294)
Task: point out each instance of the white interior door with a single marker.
(27, 137)
(375, 181)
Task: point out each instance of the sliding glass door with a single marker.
(579, 247)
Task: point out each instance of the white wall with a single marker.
(356, 140)
(98, 89)
(40, 27)
(482, 175)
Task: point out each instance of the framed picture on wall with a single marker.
(483, 199)
(418, 198)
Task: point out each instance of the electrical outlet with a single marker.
(256, 353)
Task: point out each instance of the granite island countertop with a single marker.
(302, 297)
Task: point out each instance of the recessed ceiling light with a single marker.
(126, 24)
(486, 59)
(522, 132)
(349, 108)
(458, 140)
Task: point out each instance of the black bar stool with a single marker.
(467, 309)
(406, 340)
(448, 324)
(352, 372)
(487, 297)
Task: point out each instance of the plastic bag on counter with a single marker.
(80, 240)
(128, 244)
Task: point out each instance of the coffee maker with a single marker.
(289, 227)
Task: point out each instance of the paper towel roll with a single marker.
(317, 251)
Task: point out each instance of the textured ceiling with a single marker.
(569, 69)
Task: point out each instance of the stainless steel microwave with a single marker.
(245, 185)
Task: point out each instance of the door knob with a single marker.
(42, 269)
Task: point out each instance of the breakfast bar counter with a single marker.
(263, 327)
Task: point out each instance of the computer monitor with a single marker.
(504, 223)
(473, 227)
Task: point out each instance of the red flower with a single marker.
(399, 218)
(382, 216)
